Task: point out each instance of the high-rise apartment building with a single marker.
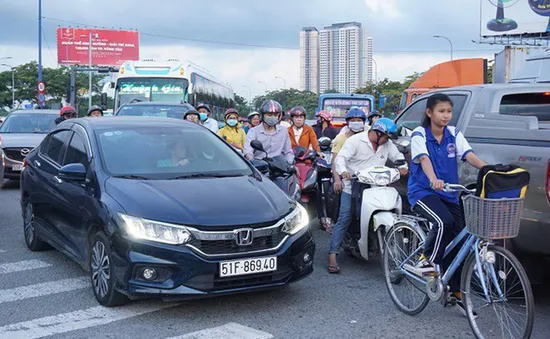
(344, 57)
(309, 59)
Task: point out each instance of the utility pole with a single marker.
(40, 104)
(12, 83)
(449, 40)
(90, 74)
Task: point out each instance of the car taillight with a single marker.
(24, 162)
(548, 181)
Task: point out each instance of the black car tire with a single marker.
(29, 229)
(101, 272)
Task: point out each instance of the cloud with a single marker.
(388, 8)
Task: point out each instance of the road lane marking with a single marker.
(3, 251)
(42, 289)
(78, 320)
(22, 266)
(227, 331)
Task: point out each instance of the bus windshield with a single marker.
(167, 90)
(339, 106)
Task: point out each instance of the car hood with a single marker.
(201, 202)
(30, 140)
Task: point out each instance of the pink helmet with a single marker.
(325, 115)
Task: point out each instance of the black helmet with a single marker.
(205, 106)
(298, 111)
(271, 106)
(95, 108)
(191, 111)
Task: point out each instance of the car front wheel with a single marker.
(101, 273)
(29, 229)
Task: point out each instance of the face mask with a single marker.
(232, 122)
(356, 126)
(203, 116)
(271, 121)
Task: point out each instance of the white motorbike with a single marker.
(380, 207)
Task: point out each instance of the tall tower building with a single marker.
(309, 59)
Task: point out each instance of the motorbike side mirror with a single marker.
(403, 145)
(257, 145)
(324, 142)
(292, 169)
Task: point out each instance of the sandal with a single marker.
(333, 269)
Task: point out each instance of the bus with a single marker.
(171, 82)
(338, 104)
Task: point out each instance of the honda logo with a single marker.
(244, 236)
(25, 152)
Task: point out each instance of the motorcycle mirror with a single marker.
(324, 142)
(257, 145)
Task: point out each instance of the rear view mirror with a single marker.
(257, 145)
(72, 172)
(324, 141)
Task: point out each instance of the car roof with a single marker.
(131, 121)
(36, 111)
(149, 103)
(495, 87)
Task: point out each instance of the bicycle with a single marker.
(485, 263)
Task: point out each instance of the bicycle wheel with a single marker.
(401, 242)
(510, 315)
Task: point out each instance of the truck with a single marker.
(536, 69)
(510, 62)
(504, 124)
(471, 71)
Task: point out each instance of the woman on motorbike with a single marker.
(300, 133)
(253, 121)
(323, 127)
(231, 132)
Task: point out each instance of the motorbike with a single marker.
(279, 171)
(307, 173)
(325, 208)
(375, 211)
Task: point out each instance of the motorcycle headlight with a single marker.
(155, 231)
(382, 179)
(296, 221)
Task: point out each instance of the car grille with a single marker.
(216, 247)
(15, 153)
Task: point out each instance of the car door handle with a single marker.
(37, 163)
(59, 181)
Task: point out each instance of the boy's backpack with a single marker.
(502, 181)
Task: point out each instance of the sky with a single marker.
(402, 30)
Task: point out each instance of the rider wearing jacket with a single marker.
(360, 151)
(232, 132)
(67, 112)
(270, 133)
(323, 127)
(300, 133)
(206, 120)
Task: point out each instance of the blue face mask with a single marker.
(203, 116)
(271, 121)
(232, 122)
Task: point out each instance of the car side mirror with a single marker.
(257, 145)
(73, 172)
(403, 144)
(260, 165)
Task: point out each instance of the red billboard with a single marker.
(109, 47)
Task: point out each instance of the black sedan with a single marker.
(160, 207)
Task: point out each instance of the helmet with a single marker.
(297, 111)
(251, 115)
(230, 111)
(190, 111)
(385, 126)
(271, 106)
(68, 110)
(95, 108)
(355, 112)
(374, 114)
(205, 106)
(325, 115)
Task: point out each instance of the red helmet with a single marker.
(68, 110)
(271, 106)
(325, 115)
(297, 111)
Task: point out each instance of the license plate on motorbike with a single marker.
(247, 266)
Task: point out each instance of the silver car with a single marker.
(20, 132)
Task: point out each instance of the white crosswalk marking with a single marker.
(77, 320)
(42, 289)
(3, 251)
(227, 331)
(22, 266)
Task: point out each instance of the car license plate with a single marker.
(17, 167)
(247, 266)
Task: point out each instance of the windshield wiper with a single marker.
(204, 175)
(131, 176)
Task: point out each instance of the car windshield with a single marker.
(29, 123)
(167, 153)
(157, 111)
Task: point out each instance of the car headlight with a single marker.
(155, 231)
(296, 221)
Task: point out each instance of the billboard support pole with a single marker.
(39, 44)
(72, 87)
(90, 74)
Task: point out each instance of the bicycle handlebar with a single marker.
(450, 188)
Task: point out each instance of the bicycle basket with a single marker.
(492, 218)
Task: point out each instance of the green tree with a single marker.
(242, 105)
(289, 98)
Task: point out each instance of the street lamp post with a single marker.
(5, 58)
(450, 43)
(284, 82)
(375, 71)
(249, 95)
(261, 82)
(12, 83)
